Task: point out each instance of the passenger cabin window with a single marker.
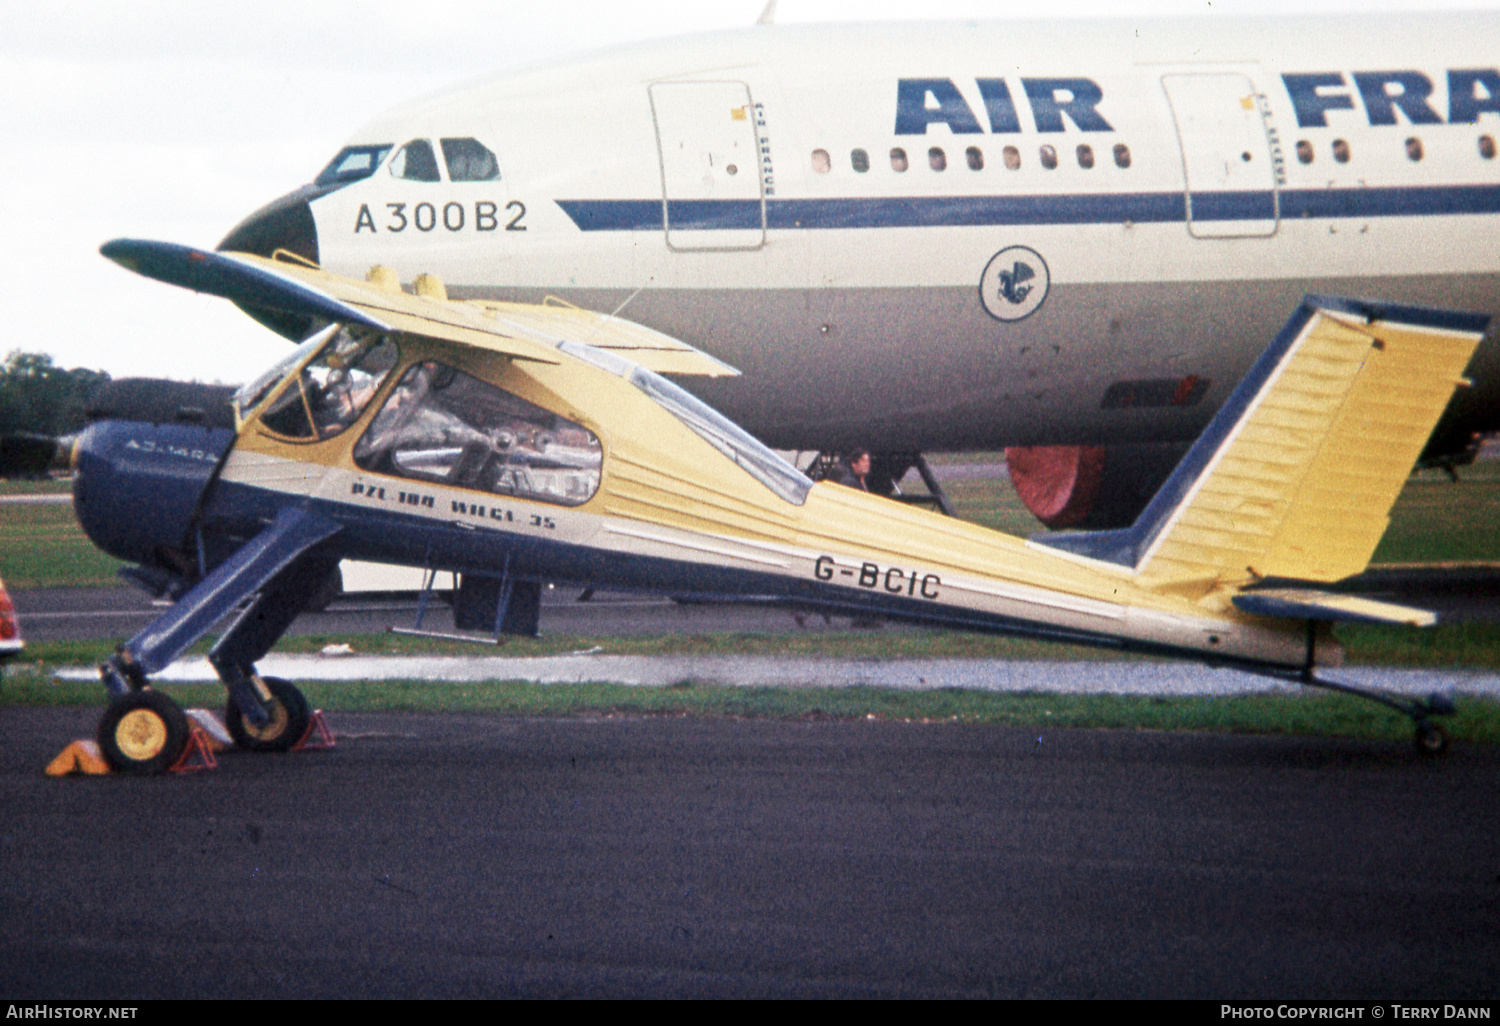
(444, 426)
(469, 160)
(1049, 157)
(1122, 155)
(898, 159)
(821, 162)
(1304, 151)
(1012, 158)
(334, 388)
(937, 159)
(1487, 147)
(859, 160)
(1414, 149)
(352, 164)
(975, 157)
(415, 162)
(1085, 157)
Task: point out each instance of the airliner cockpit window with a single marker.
(334, 388)
(352, 164)
(415, 162)
(444, 426)
(470, 160)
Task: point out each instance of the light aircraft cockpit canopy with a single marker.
(332, 388)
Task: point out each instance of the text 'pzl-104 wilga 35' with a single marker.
(519, 444)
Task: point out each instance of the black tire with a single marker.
(1431, 738)
(143, 733)
(290, 716)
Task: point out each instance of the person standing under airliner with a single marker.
(855, 470)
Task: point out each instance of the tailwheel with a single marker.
(289, 720)
(1431, 738)
(143, 732)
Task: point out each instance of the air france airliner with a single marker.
(917, 237)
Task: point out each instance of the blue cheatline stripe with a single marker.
(703, 215)
(1087, 208)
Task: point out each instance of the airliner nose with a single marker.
(285, 223)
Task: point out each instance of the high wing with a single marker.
(515, 330)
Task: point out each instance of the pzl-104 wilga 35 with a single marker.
(518, 444)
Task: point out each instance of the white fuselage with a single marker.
(1087, 233)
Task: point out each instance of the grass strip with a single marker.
(1311, 713)
(1452, 645)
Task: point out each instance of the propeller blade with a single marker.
(27, 455)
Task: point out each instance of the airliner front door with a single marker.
(1227, 155)
(710, 168)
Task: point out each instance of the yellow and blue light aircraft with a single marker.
(520, 444)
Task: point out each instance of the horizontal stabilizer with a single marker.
(1311, 604)
(1296, 474)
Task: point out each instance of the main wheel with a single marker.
(144, 732)
(1431, 738)
(290, 717)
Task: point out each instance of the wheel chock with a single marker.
(198, 755)
(79, 757)
(213, 728)
(318, 736)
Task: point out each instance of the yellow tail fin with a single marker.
(1297, 473)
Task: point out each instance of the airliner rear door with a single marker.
(1227, 155)
(705, 134)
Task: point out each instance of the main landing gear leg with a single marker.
(143, 731)
(266, 714)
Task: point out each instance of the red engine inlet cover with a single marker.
(1058, 483)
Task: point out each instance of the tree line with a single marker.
(39, 397)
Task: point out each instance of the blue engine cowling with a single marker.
(137, 485)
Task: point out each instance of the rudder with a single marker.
(1296, 474)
